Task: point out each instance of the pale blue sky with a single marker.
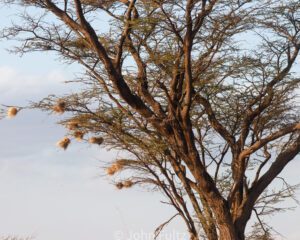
(59, 195)
(53, 194)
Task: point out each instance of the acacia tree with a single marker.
(198, 94)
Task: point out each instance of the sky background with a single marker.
(52, 194)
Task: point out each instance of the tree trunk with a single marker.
(228, 232)
(212, 234)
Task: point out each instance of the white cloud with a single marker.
(19, 86)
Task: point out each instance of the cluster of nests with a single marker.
(65, 142)
(114, 168)
(73, 126)
(60, 108)
(125, 184)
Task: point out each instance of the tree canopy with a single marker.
(200, 96)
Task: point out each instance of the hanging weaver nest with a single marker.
(64, 143)
(12, 112)
(79, 135)
(60, 107)
(114, 168)
(110, 171)
(72, 125)
(127, 184)
(96, 140)
(119, 185)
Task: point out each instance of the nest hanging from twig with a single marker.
(114, 168)
(79, 135)
(96, 140)
(119, 185)
(64, 143)
(12, 112)
(127, 184)
(72, 125)
(60, 107)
